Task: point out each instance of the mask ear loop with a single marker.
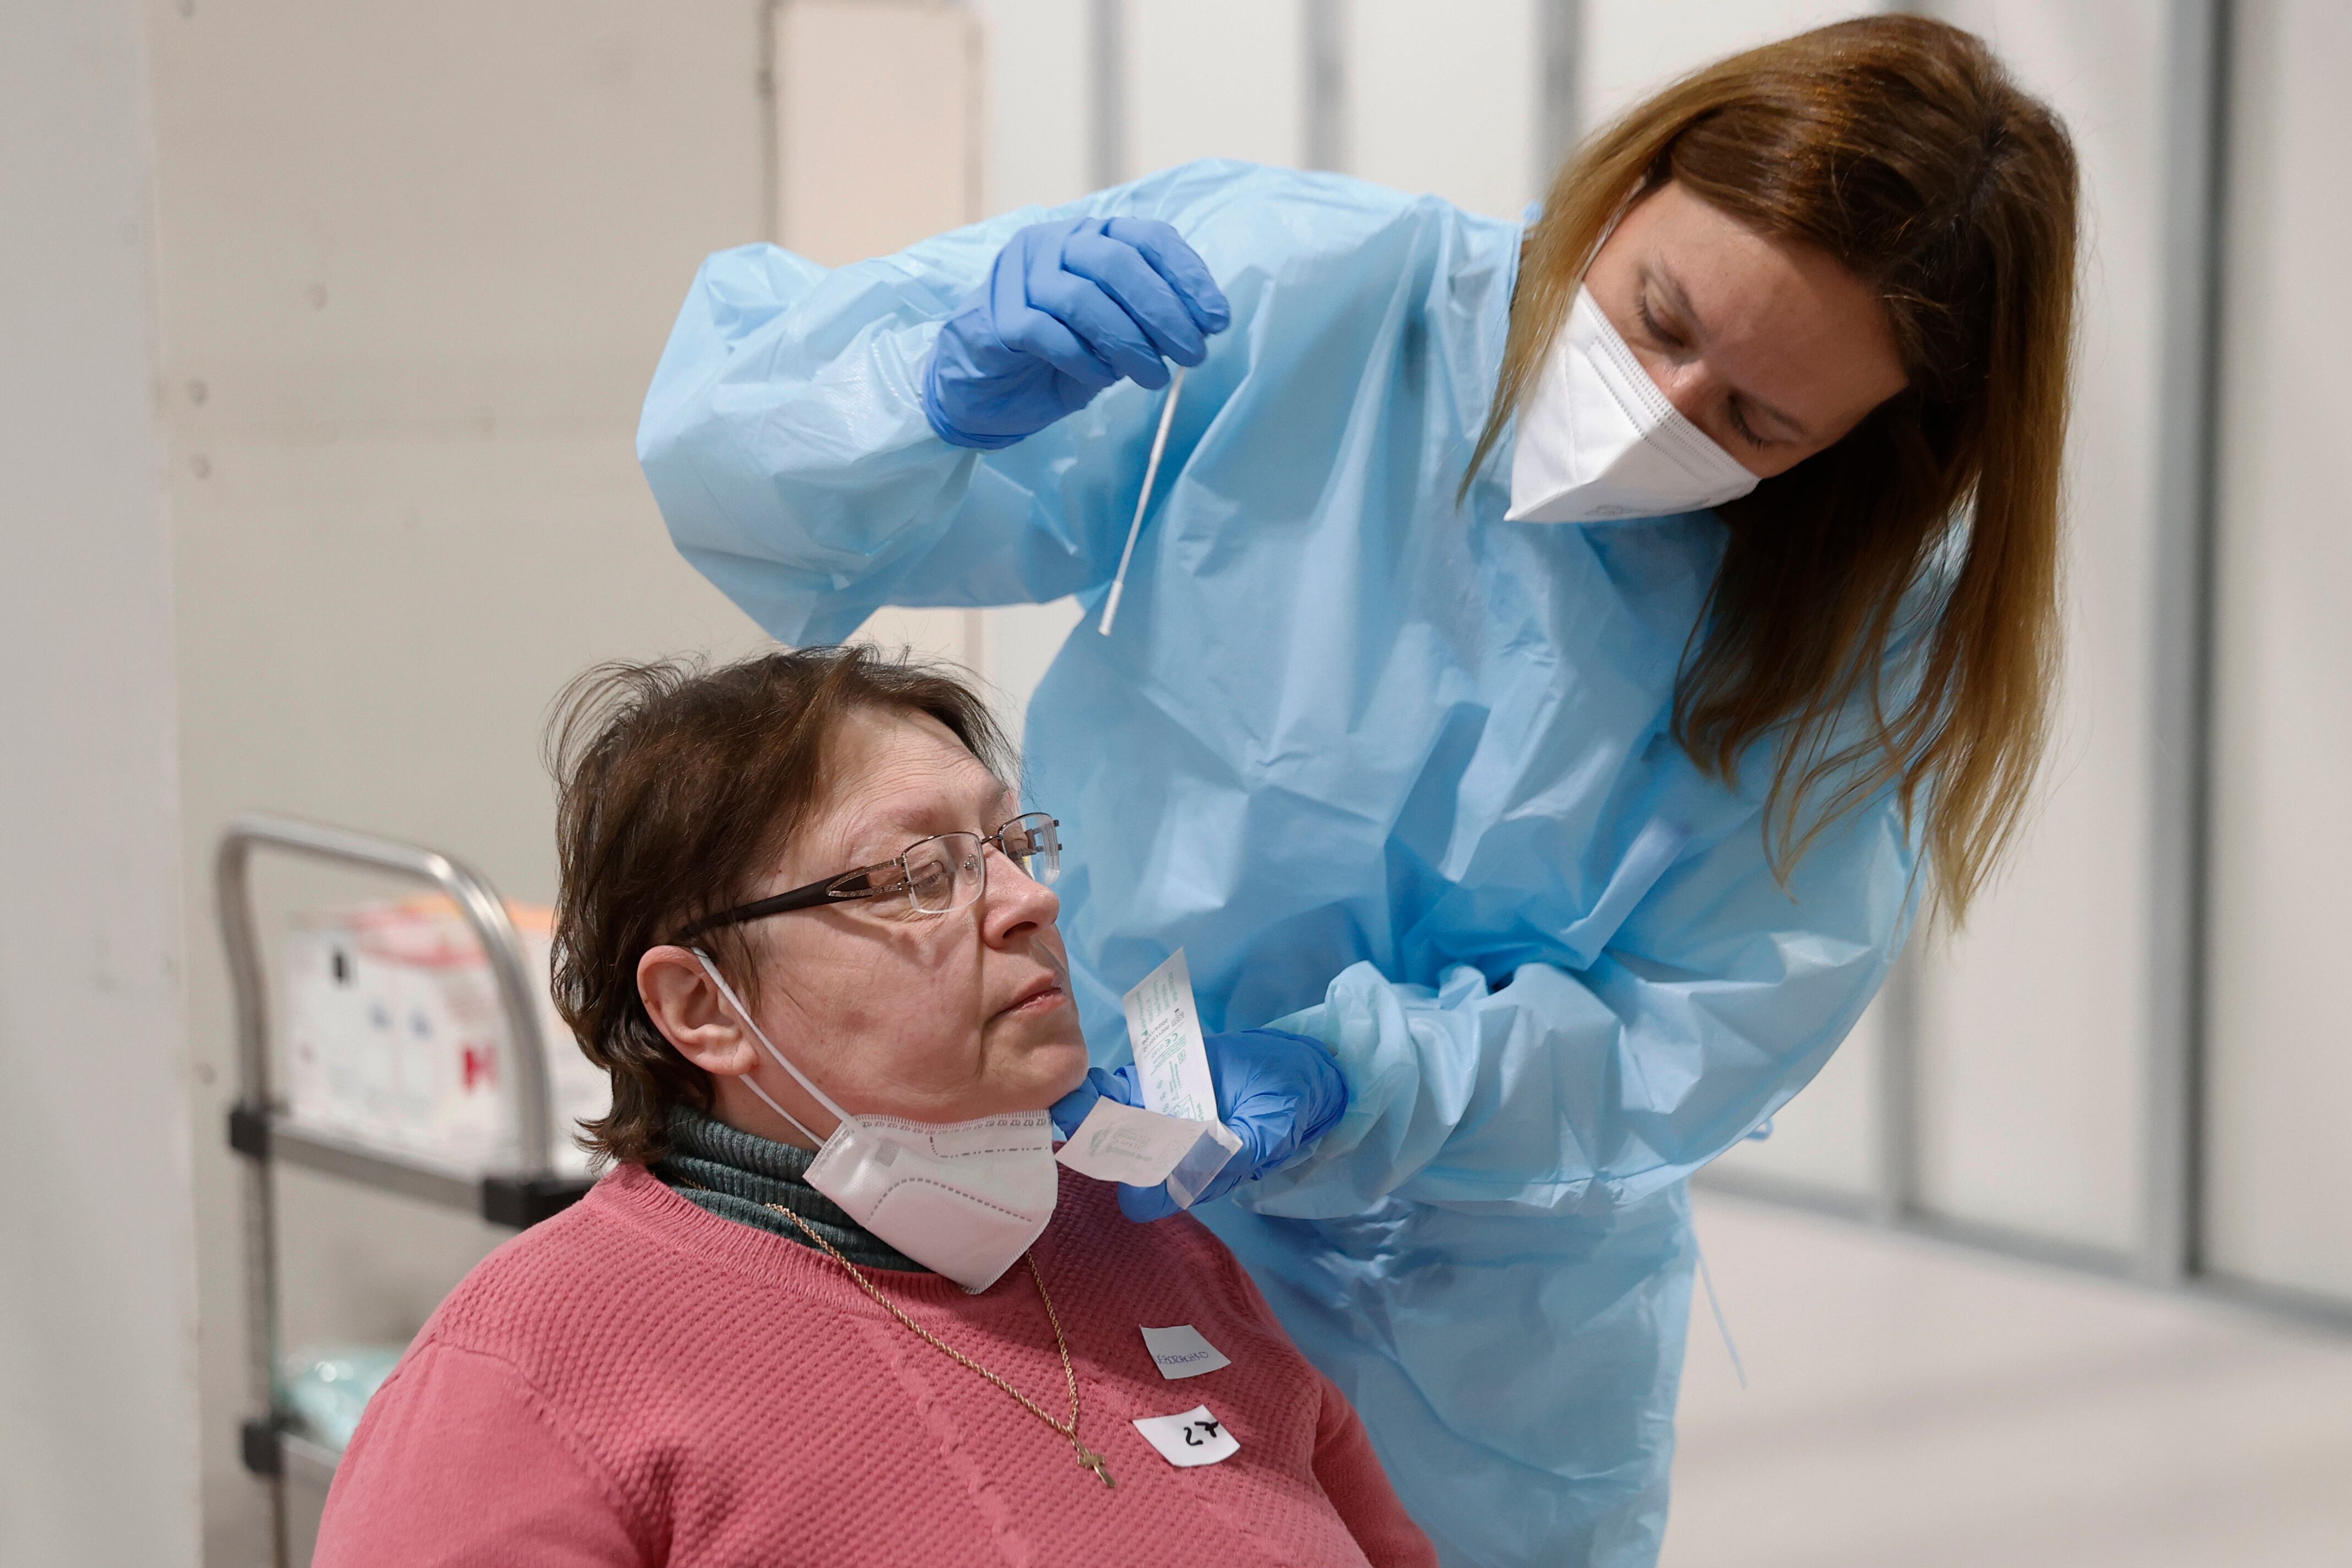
(843, 1116)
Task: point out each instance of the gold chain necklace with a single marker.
(1069, 1430)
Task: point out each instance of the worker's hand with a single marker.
(1074, 1107)
(1068, 309)
(1278, 1092)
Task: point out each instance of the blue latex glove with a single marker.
(1068, 309)
(1279, 1092)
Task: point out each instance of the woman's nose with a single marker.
(1014, 898)
(1690, 386)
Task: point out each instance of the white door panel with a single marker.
(2033, 1020)
(2279, 1070)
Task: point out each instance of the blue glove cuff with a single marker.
(939, 423)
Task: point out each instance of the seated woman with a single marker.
(801, 907)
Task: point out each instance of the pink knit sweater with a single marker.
(640, 1382)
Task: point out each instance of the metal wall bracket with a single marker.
(249, 1132)
(257, 1445)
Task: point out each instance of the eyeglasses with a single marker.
(935, 876)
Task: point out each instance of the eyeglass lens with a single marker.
(945, 873)
(1032, 842)
(950, 871)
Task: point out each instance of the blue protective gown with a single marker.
(1393, 770)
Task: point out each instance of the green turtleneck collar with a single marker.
(737, 1174)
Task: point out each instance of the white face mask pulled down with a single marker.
(964, 1199)
(1598, 440)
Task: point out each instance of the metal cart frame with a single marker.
(259, 1128)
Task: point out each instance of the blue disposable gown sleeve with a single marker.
(1569, 1092)
(784, 437)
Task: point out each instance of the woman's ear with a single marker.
(686, 1007)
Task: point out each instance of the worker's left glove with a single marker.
(1068, 309)
(1278, 1092)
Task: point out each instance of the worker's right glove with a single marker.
(1068, 309)
(1277, 1092)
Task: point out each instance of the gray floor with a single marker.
(1912, 1403)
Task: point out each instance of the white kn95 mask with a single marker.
(964, 1199)
(1598, 440)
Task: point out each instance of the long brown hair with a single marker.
(1901, 148)
(678, 785)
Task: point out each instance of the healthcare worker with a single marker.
(1550, 655)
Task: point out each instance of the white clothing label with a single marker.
(1180, 1351)
(1195, 1437)
(1170, 1058)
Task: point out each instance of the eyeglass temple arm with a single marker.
(803, 897)
(816, 893)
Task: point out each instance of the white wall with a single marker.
(1040, 101)
(1444, 98)
(2033, 1021)
(97, 1398)
(1215, 78)
(2280, 1051)
(828, 55)
(1632, 48)
(418, 262)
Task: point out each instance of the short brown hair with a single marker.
(678, 784)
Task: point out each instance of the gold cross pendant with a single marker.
(1095, 1462)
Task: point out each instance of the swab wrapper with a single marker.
(1178, 1138)
(1144, 1149)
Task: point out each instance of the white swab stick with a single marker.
(1150, 476)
